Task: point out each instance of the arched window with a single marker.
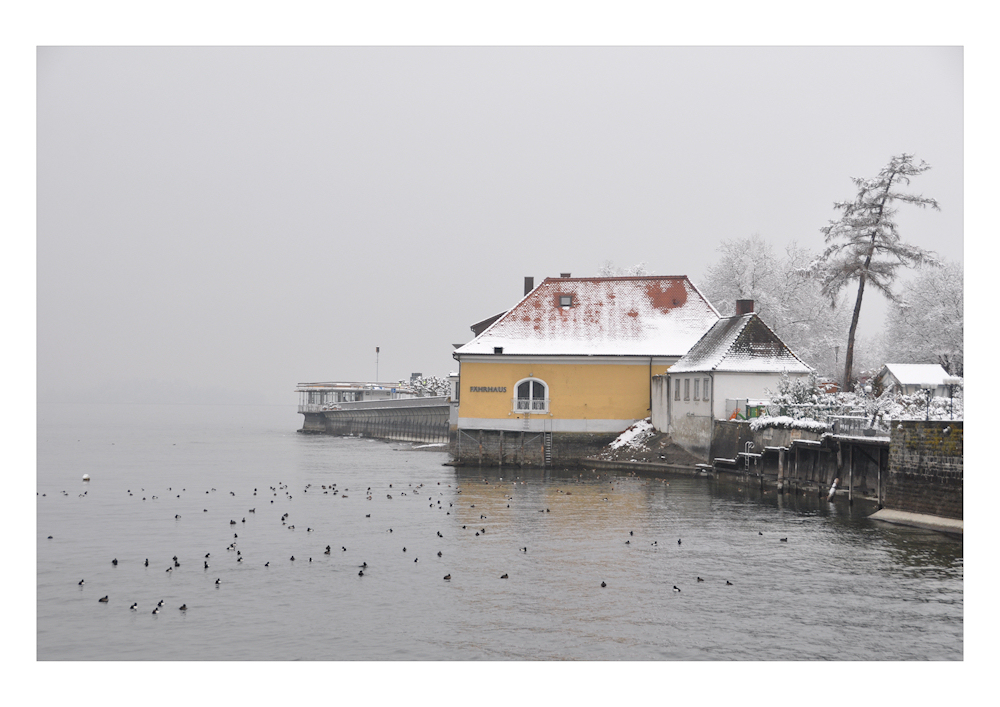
(532, 396)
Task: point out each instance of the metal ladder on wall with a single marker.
(547, 443)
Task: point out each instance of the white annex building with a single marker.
(734, 365)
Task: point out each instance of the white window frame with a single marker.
(531, 404)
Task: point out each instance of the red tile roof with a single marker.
(611, 316)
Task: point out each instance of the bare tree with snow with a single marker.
(788, 300)
(608, 269)
(746, 268)
(864, 243)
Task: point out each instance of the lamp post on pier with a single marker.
(929, 390)
(951, 382)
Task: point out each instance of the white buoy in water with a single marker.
(86, 477)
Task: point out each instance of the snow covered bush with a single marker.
(915, 407)
(875, 406)
(792, 395)
(429, 386)
(788, 423)
(804, 401)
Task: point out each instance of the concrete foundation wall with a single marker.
(503, 447)
(692, 434)
(314, 422)
(729, 438)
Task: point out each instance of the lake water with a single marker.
(169, 480)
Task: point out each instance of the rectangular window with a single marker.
(704, 389)
(687, 388)
(696, 382)
(677, 388)
(565, 300)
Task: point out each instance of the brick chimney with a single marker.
(529, 284)
(744, 306)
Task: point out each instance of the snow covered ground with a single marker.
(642, 443)
(635, 437)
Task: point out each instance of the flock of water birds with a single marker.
(236, 551)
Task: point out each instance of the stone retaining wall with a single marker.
(926, 468)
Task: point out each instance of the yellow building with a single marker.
(571, 365)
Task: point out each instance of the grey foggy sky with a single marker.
(235, 220)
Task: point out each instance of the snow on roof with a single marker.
(611, 316)
(740, 344)
(917, 373)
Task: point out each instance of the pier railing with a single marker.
(531, 405)
(848, 424)
(820, 413)
(393, 403)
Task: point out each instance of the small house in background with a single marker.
(726, 375)
(910, 378)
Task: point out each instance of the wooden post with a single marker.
(781, 470)
(814, 456)
(878, 493)
(850, 482)
(796, 477)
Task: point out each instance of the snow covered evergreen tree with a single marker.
(926, 323)
(864, 243)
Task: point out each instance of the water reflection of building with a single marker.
(556, 505)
